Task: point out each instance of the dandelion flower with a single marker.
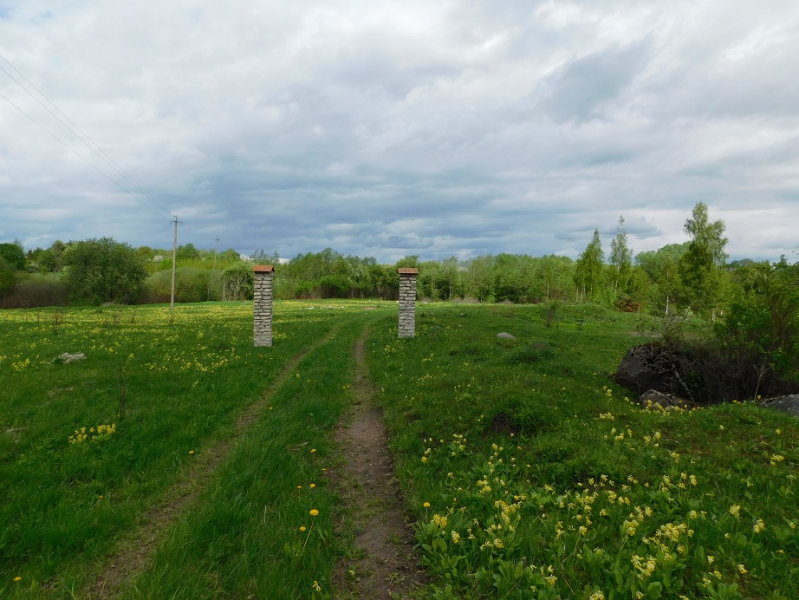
(17, 578)
(312, 486)
(313, 450)
(426, 505)
(191, 451)
(302, 528)
(314, 512)
(742, 569)
(735, 511)
(758, 526)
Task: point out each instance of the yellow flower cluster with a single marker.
(101, 432)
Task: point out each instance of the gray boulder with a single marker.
(787, 404)
(67, 358)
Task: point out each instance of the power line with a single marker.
(67, 146)
(96, 149)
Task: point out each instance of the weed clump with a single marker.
(534, 352)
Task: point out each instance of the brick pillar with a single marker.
(262, 304)
(407, 303)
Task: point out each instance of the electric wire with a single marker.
(93, 166)
(96, 149)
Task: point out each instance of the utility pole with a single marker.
(216, 246)
(174, 257)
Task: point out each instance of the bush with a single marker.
(103, 271)
(763, 318)
(191, 285)
(34, 290)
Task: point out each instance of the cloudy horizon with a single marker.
(388, 129)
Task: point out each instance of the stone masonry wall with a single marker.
(407, 303)
(262, 304)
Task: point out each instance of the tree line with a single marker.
(693, 276)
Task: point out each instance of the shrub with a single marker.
(34, 290)
(191, 285)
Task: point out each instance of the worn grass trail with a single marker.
(136, 551)
(190, 377)
(263, 526)
(383, 564)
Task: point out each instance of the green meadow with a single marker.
(527, 471)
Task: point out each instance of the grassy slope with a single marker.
(550, 446)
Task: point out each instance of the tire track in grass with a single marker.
(136, 550)
(385, 565)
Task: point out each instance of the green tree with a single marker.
(764, 315)
(52, 259)
(662, 270)
(14, 255)
(7, 277)
(187, 252)
(103, 270)
(620, 259)
(701, 266)
(589, 276)
(237, 282)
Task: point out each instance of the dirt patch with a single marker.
(136, 550)
(384, 565)
(502, 424)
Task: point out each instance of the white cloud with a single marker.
(389, 128)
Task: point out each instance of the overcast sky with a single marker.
(387, 129)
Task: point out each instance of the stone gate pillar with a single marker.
(262, 304)
(407, 302)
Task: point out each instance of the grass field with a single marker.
(531, 474)
(527, 472)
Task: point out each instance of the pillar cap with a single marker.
(407, 271)
(263, 269)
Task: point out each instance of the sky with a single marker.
(388, 129)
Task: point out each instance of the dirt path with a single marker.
(385, 565)
(135, 551)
